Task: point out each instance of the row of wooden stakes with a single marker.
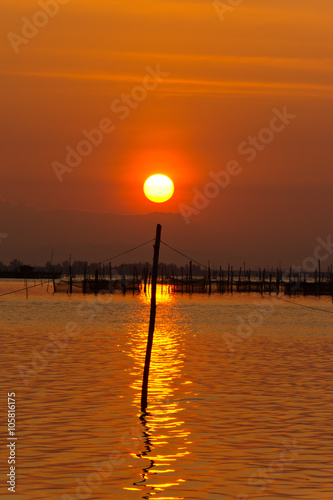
(224, 281)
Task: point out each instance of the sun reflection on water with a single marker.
(165, 440)
(164, 294)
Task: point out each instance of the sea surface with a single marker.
(240, 396)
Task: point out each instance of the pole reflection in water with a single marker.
(164, 436)
(145, 454)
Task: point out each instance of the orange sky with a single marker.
(224, 79)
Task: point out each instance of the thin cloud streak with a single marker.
(220, 86)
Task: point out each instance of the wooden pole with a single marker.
(84, 288)
(110, 276)
(70, 280)
(270, 283)
(263, 281)
(96, 282)
(50, 271)
(70, 274)
(137, 279)
(191, 278)
(144, 394)
(145, 278)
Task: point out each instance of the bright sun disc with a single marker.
(158, 188)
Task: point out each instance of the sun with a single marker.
(158, 188)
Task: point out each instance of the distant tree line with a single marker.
(78, 267)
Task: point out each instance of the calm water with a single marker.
(235, 412)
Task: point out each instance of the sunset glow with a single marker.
(103, 96)
(166, 249)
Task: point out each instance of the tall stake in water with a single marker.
(144, 394)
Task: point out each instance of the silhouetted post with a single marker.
(263, 281)
(209, 281)
(123, 280)
(96, 281)
(144, 394)
(221, 278)
(70, 273)
(145, 278)
(239, 279)
(137, 279)
(231, 278)
(277, 281)
(84, 280)
(70, 280)
(51, 274)
(191, 278)
(182, 279)
(319, 274)
(110, 276)
(270, 283)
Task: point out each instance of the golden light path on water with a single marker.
(252, 422)
(162, 425)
